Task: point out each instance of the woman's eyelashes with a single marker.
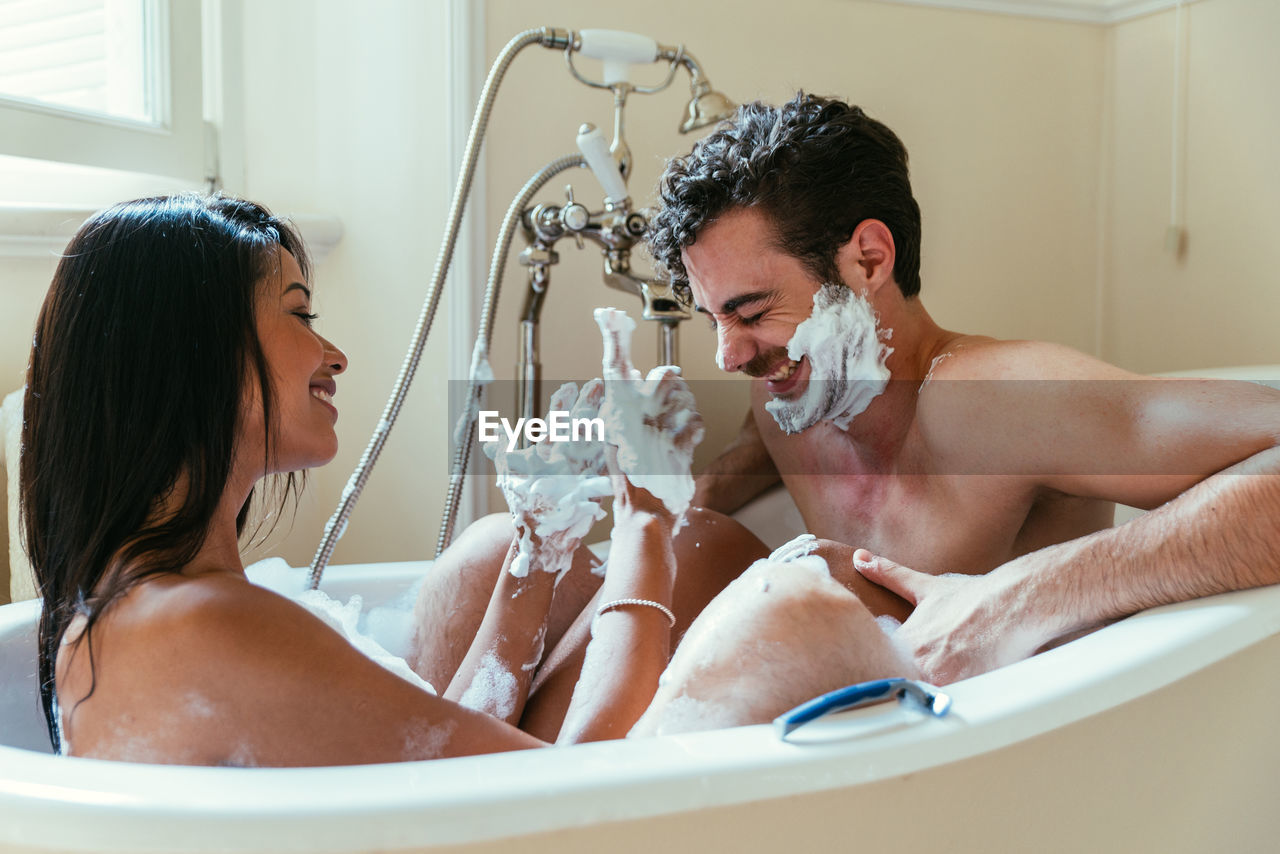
(306, 317)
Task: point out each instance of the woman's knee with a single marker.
(454, 594)
(838, 558)
(711, 550)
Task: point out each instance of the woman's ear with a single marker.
(866, 259)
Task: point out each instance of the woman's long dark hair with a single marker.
(142, 353)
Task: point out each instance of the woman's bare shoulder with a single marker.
(239, 674)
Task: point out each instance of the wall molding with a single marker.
(39, 231)
(1100, 12)
(468, 61)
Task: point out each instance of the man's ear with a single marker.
(866, 259)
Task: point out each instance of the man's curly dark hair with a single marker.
(815, 167)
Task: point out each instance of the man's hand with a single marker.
(959, 627)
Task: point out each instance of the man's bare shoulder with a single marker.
(975, 357)
(991, 406)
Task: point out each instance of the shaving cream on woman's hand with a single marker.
(654, 422)
(554, 489)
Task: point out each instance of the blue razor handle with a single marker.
(908, 691)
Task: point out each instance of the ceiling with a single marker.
(1086, 11)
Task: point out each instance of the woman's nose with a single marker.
(333, 357)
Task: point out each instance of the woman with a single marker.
(174, 366)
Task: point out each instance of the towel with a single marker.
(22, 583)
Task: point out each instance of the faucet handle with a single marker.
(574, 216)
(595, 150)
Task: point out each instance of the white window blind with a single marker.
(107, 83)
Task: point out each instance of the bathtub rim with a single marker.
(485, 797)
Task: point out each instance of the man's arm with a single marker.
(1222, 534)
(741, 472)
(1076, 426)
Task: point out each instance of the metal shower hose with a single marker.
(336, 526)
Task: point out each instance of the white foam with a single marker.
(805, 562)
(890, 625)
(481, 372)
(933, 366)
(799, 547)
(275, 574)
(847, 356)
(493, 688)
(553, 489)
(345, 619)
(422, 739)
(654, 422)
(688, 714)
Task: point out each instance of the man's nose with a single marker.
(733, 350)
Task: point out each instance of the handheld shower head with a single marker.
(706, 107)
(620, 50)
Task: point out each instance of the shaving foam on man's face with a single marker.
(847, 370)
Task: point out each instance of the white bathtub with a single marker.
(1157, 733)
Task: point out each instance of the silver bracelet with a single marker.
(647, 603)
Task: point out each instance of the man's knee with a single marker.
(781, 633)
(789, 599)
(738, 662)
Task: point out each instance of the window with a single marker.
(114, 84)
(95, 56)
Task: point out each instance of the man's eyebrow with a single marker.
(732, 305)
(736, 302)
(298, 286)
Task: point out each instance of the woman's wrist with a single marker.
(657, 519)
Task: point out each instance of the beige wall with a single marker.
(1217, 304)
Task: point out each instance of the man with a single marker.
(988, 467)
(972, 480)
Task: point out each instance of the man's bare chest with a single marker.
(934, 523)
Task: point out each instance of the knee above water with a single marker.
(793, 589)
